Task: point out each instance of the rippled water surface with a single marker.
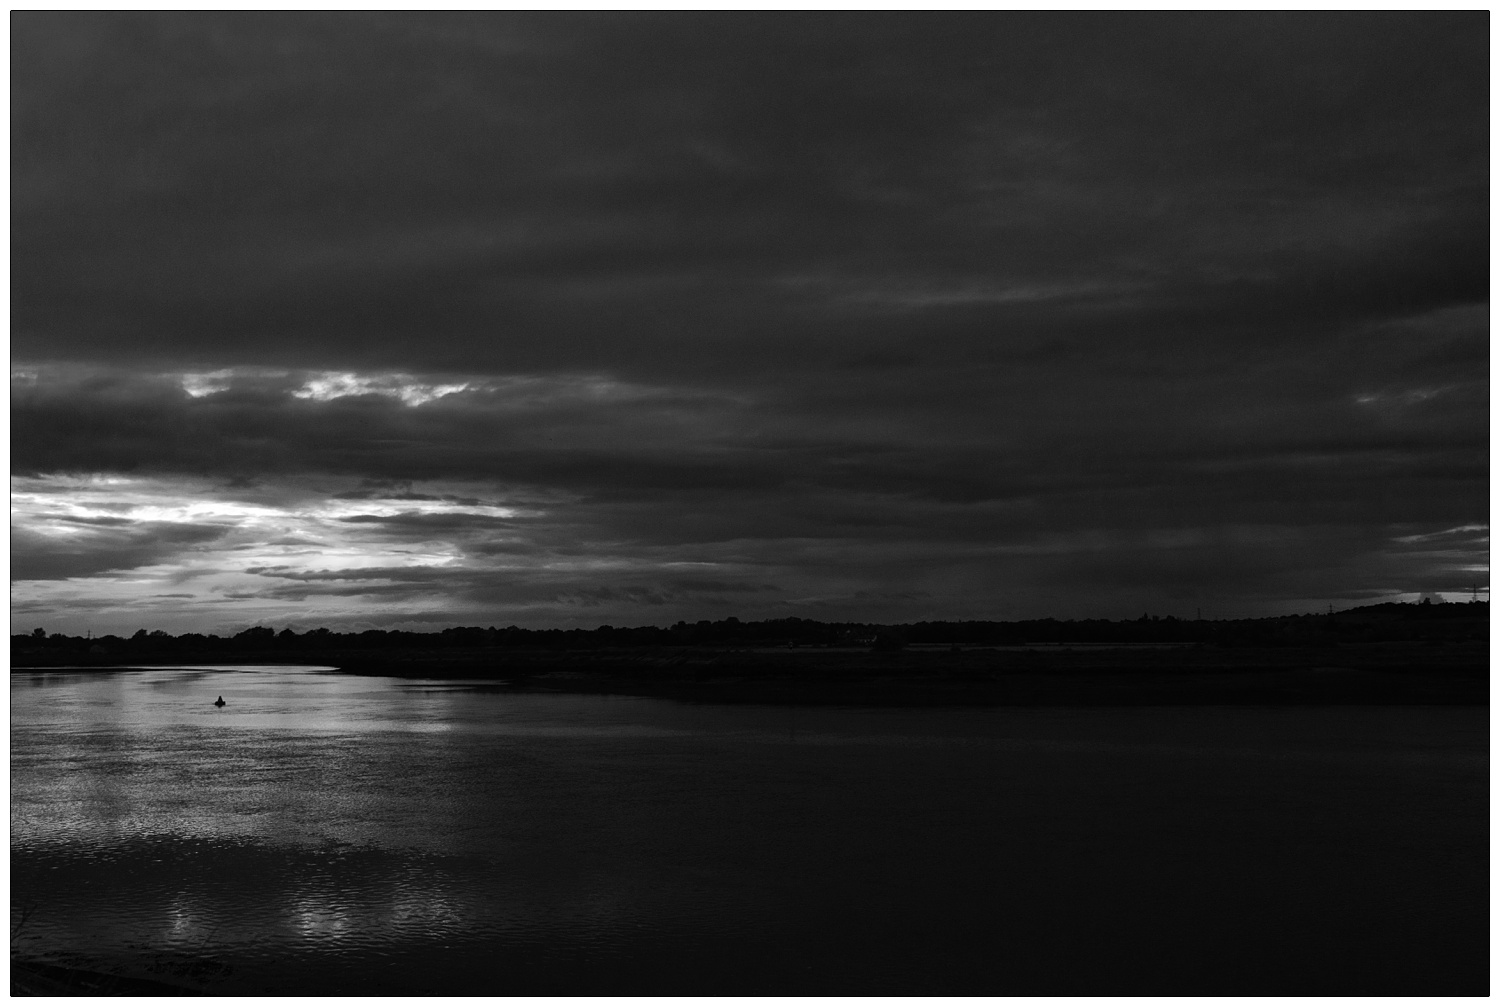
(325, 833)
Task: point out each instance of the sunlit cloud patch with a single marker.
(118, 539)
(409, 390)
(513, 390)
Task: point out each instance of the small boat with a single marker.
(219, 701)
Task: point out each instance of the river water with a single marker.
(324, 833)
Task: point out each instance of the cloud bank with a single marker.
(564, 319)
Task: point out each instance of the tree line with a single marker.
(1451, 622)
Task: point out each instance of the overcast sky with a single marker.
(558, 319)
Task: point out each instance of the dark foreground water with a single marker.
(331, 834)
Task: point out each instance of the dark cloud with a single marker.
(466, 589)
(839, 298)
(115, 547)
(604, 189)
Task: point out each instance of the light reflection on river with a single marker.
(325, 833)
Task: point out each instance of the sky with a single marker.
(567, 319)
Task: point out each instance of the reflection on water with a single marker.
(326, 833)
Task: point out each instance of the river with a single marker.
(331, 834)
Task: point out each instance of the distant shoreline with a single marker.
(1371, 674)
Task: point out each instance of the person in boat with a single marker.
(219, 701)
